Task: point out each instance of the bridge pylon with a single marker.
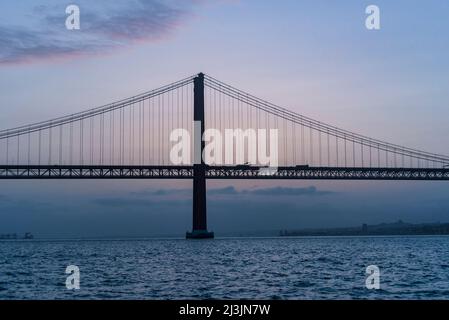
(199, 226)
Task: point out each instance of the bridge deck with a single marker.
(218, 172)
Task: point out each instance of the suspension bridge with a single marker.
(130, 139)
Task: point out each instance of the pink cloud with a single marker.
(102, 30)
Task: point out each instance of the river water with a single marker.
(227, 268)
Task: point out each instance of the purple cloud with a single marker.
(105, 25)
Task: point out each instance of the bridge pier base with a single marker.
(199, 234)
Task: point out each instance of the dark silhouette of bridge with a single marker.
(130, 139)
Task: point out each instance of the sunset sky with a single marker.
(313, 57)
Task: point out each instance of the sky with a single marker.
(314, 57)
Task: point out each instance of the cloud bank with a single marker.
(105, 26)
(232, 191)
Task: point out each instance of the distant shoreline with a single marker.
(398, 228)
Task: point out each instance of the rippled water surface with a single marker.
(262, 268)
